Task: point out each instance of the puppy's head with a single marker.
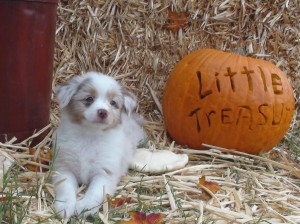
(95, 100)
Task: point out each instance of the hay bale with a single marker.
(132, 42)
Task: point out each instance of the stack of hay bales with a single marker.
(134, 42)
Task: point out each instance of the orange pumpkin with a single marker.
(227, 100)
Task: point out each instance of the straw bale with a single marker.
(130, 41)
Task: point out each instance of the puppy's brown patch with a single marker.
(92, 92)
(78, 102)
(115, 96)
(76, 109)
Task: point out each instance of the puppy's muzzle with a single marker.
(102, 114)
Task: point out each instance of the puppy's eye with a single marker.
(89, 100)
(113, 103)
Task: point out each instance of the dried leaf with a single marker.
(155, 218)
(3, 196)
(142, 218)
(44, 157)
(212, 186)
(120, 201)
(176, 20)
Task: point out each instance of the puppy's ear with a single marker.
(66, 91)
(129, 101)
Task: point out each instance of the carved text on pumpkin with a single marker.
(264, 114)
(275, 81)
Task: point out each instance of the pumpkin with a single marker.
(227, 100)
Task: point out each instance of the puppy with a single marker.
(95, 141)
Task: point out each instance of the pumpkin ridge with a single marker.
(175, 74)
(201, 65)
(192, 62)
(218, 55)
(241, 129)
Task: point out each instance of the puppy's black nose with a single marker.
(102, 113)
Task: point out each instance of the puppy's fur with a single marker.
(95, 141)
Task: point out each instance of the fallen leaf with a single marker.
(212, 186)
(142, 218)
(176, 20)
(44, 157)
(3, 196)
(117, 202)
(155, 218)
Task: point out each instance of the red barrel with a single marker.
(27, 34)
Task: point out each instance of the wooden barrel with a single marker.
(27, 34)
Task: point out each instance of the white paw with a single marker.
(65, 208)
(87, 207)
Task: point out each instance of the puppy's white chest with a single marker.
(90, 160)
(103, 155)
(89, 165)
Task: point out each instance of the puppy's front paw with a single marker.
(65, 208)
(86, 207)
